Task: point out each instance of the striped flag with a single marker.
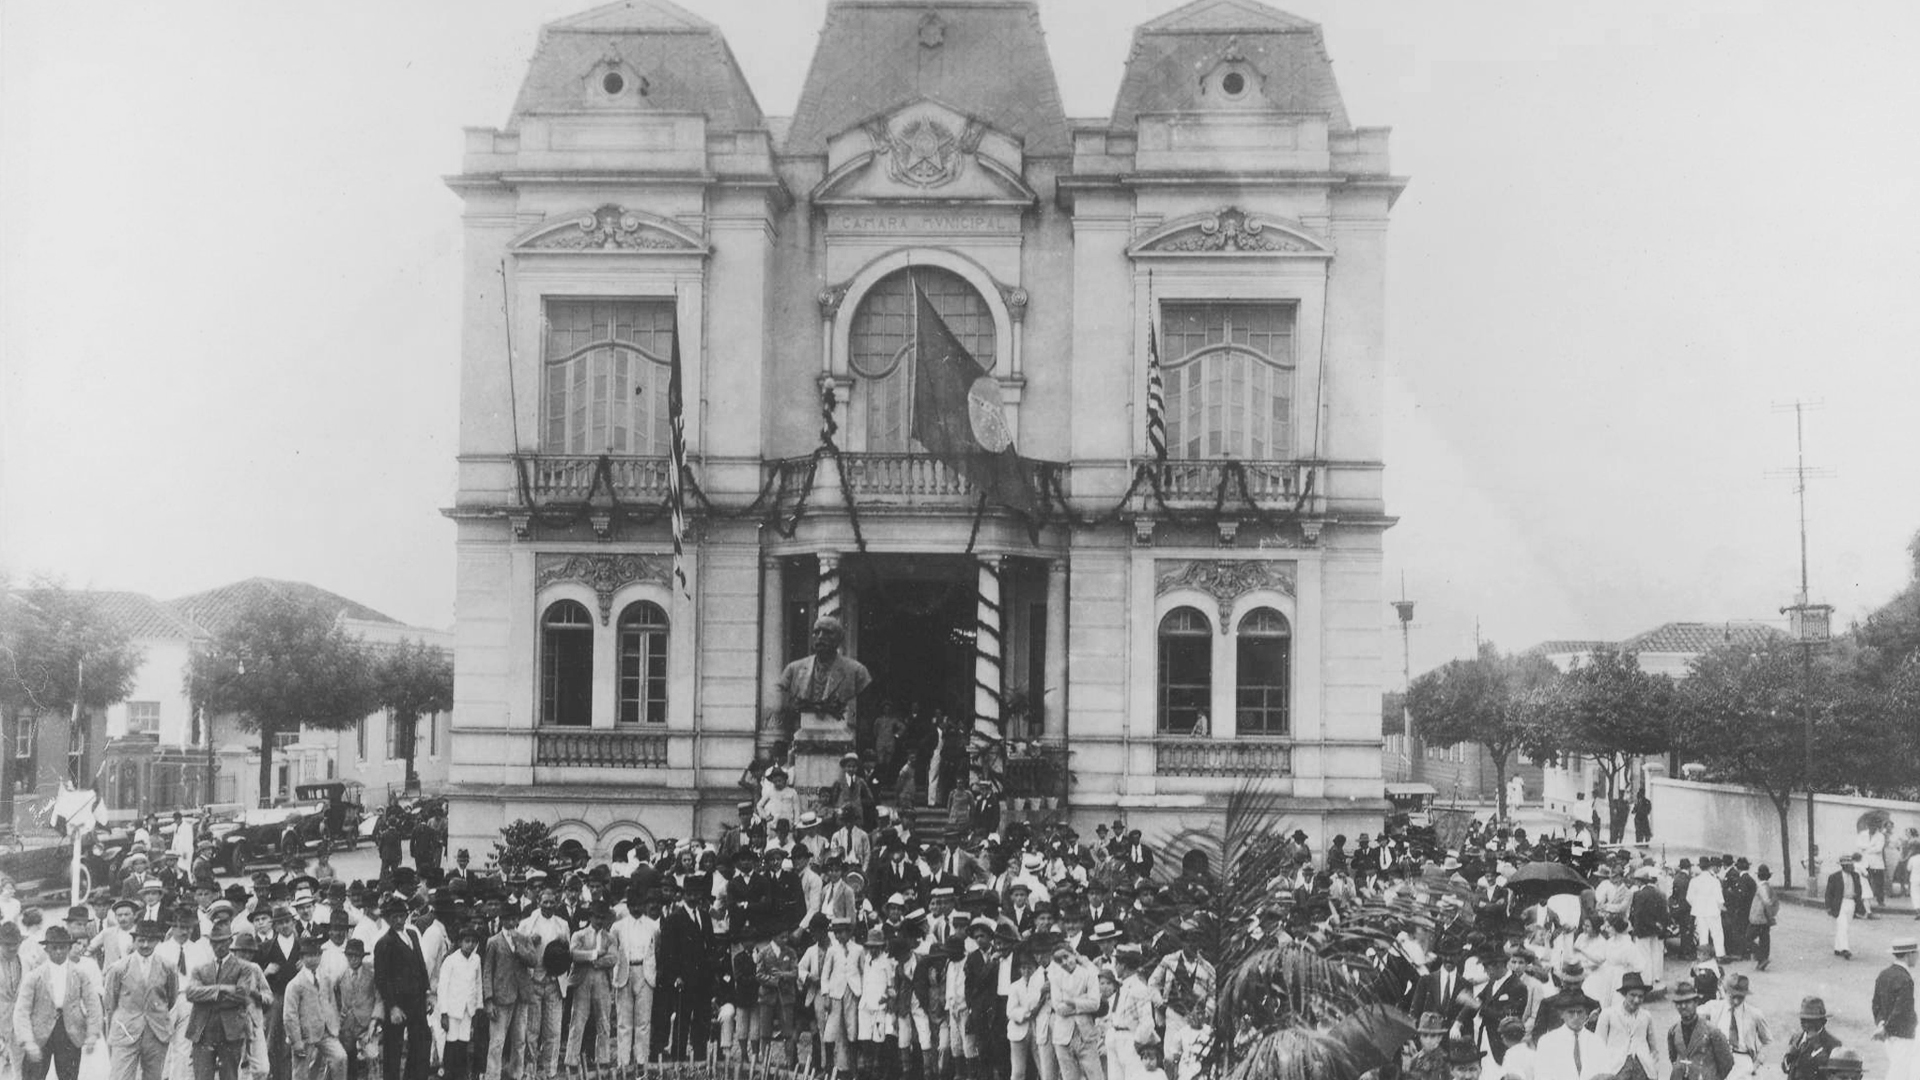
(676, 473)
(1156, 395)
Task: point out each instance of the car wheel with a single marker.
(86, 884)
(238, 856)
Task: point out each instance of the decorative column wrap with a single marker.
(828, 598)
(988, 643)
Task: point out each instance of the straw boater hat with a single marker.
(1903, 945)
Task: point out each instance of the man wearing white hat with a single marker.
(1893, 1012)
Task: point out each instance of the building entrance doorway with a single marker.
(915, 618)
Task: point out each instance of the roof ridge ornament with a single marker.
(933, 30)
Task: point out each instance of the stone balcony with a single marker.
(1241, 757)
(599, 748)
(1204, 483)
(894, 481)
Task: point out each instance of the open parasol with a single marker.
(1539, 880)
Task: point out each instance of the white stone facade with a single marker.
(769, 241)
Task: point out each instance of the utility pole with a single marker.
(1810, 624)
(1403, 607)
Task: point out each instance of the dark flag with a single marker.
(958, 415)
(677, 468)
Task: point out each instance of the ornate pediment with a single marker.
(604, 574)
(1230, 231)
(612, 229)
(921, 152)
(1226, 580)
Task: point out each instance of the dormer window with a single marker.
(614, 82)
(1232, 81)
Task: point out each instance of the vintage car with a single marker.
(41, 865)
(272, 832)
(345, 809)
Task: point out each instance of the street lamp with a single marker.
(1812, 626)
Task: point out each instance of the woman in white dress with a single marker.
(1608, 955)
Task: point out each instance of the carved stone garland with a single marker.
(1232, 229)
(604, 574)
(610, 228)
(1226, 580)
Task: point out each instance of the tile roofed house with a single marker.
(639, 56)
(141, 616)
(1285, 56)
(215, 609)
(985, 58)
(1567, 647)
(1694, 638)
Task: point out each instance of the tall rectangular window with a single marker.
(360, 739)
(1229, 379)
(605, 376)
(143, 718)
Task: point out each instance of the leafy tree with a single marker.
(413, 679)
(59, 653)
(1610, 710)
(1743, 715)
(283, 664)
(1889, 639)
(524, 845)
(1497, 702)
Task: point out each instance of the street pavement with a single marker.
(1803, 964)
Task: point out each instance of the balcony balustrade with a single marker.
(1195, 484)
(1206, 757)
(570, 477)
(600, 748)
(902, 479)
(1038, 773)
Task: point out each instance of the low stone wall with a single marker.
(1690, 816)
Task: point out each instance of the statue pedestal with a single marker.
(817, 748)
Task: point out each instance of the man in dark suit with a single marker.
(684, 964)
(1738, 888)
(1137, 856)
(1893, 1005)
(1846, 898)
(400, 974)
(279, 960)
(1438, 991)
(1511, 993)
(896, 873)
(218, 1029)
(1647, 920)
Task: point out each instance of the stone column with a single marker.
(1054, 696)
(773, 646)
(988, 641)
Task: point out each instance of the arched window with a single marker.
(605, 376)
(1229, 380)
(1186, 672)
(1263, 651)
(880, 345)
(566, 665)
(643, 664)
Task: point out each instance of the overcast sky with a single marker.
(230, 277)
